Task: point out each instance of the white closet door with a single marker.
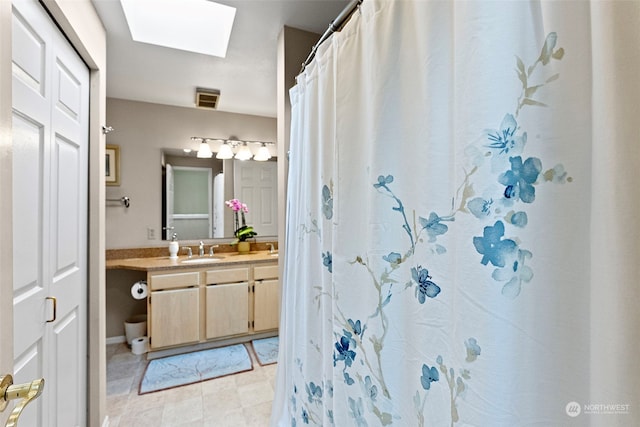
(256, 184)
(50, 174)
(218, 206)
(169, 203)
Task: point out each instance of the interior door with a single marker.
(256, 184)
(50, 174)
(218, 206)
(192, 202)
(169, 204)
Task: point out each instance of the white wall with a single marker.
(142, 130)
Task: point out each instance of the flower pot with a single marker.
(243, 247)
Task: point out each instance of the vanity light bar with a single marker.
(226, 149)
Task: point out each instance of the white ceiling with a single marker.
(246, 78)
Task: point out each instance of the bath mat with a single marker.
(189, 368)
(266, 350)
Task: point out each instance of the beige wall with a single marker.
(142, 130)
(120, 304)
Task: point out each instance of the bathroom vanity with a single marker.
(209, 300)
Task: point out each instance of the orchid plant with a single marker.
(244, 231)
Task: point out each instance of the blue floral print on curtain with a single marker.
(493, 247)
(327, 202)
(327, 261)
(426, 288)
(501, 215)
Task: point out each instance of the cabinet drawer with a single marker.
(174, 280)
(265, 272)
(228, 275)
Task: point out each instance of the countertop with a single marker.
(164, 263)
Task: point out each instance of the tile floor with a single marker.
(240, 400)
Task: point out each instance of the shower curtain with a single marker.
(462, 213)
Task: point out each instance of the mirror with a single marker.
(194, 191)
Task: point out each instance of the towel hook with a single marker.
(126, 201)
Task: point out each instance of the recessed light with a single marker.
(199, 26)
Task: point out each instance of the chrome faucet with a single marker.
(211, 249)
(189, 253)
(201, 248)
(271, 248)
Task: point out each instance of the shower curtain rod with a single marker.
(336, 25)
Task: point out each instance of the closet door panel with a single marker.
(50, 93)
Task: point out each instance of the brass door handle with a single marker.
(27, 392)
(55, 309)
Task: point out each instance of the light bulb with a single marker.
(263, 154)
(204, 152)
(244, 153)
(225, 152)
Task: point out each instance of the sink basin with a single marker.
(200, 260)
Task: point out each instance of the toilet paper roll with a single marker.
(139, 290)
(140, 345)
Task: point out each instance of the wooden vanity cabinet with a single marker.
(174, 308)
(195, 306)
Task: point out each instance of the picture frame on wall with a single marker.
(112, 165)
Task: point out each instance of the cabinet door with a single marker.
(266, 305)
(227, 309)
(175, 317)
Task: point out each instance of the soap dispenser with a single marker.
(174, 246)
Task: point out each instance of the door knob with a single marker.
(27, 392)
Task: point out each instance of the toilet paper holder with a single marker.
(139, 290)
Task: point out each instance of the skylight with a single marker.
(199, 26)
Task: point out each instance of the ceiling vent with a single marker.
(207, 98)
